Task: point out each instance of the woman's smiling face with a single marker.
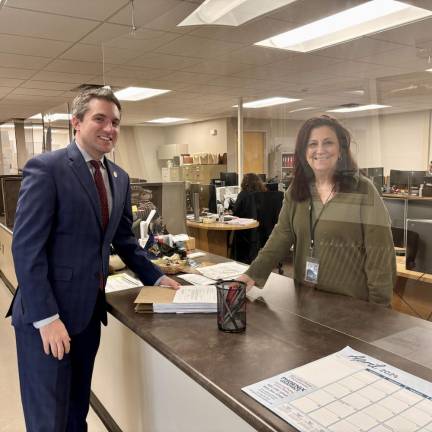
(323, 151)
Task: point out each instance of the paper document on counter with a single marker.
(226, 270)
(121, 281)
(348, 391)
(186, 299)
(196, 279)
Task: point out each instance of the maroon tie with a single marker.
(100, 186)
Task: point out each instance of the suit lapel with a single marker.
(83, 174)
(115, 192)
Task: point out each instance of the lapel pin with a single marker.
(115, 174)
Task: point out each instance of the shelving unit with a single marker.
(287, 165)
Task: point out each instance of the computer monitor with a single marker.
(376, 175)
(416, 178)
(399, 178)
(11, 187)
(423, 255)
(230, 178)
(227, 195)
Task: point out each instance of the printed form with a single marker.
(348, 391)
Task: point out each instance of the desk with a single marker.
(171, 373)
(215, 237)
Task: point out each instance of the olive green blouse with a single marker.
(353, 243)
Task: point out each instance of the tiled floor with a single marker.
(11, 416)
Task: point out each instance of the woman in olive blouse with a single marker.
(335, 220)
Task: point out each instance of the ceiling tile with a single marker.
(15, 73)
(414, 34)
(10, 82)
(134, 73)
(188, 77)
(165, 61)
(62, 77)
(216, 67)
(49, 85)
(29, 46)
(67, 66)
(43, 25)
(92, 53)
(142, 41)
(22, 61)
(254, 55)
(94, 9)
(36, 92)
(197, 47)
(105, 33)
(359, 48)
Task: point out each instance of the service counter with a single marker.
(178, 373)
(158, 372)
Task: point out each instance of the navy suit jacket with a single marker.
(59, 247)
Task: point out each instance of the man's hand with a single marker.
(166, 281)
(247, 280)
(55, 339)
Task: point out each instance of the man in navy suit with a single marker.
(73, 204)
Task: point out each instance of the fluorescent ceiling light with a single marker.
(166, 120)
(367, 18)
(428, 70)
(302, 109)
(261, 103)
(231, 12)
(57, 116)
(358, 108)
(51, 117)
(356, 92)
(138, 93)
(6, 126)
(2, 3)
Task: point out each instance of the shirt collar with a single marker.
(87, 157)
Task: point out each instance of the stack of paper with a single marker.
(187, 299)
(226, 270)
(121, 281)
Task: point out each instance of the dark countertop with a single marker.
(288, 327)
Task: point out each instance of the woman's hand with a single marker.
(247, 280)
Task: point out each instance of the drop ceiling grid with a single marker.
(207, 62)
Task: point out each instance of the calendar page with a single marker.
(348, 391)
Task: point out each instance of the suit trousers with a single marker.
(55, 393)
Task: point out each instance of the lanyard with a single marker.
(313, 226)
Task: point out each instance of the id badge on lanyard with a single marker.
(312, 263)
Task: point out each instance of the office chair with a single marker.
(411, 246)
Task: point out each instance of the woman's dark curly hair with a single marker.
(346, 167)
(252, 183)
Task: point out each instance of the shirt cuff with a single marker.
(159, 281)
(44, 322)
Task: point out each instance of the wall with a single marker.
(280, 136)
(197, 136)
(136, 151)
(399, 141)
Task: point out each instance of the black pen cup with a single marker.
(231, 306)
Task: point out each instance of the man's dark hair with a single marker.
(80, 104)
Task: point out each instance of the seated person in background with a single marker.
(244, 206)
(245, 243)
(334, 218)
